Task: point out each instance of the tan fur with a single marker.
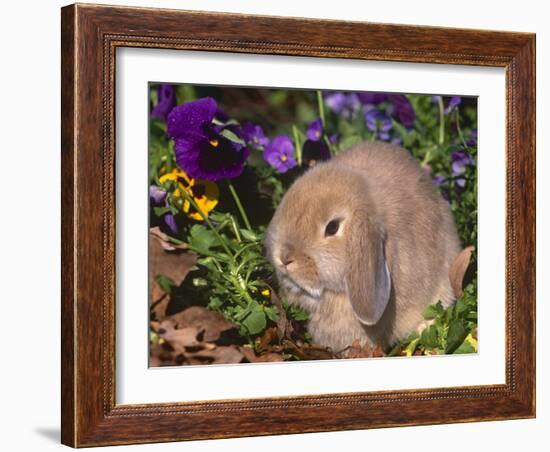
(376, 187)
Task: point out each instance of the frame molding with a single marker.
(90, 35)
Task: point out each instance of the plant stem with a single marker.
(459, 130)
(235, 228)
(239, 205)
(441, 120)
(298, 145)
(321, 106)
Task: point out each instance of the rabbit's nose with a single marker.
(287, 259)
(287, 256)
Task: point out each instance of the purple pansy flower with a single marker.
(253, 134)
(314, 152)
(379, 123)
(402, 110)
(315, 148)
(343, 104)
(333, 139)
(472, 141)
(370, 98)
(459, 162)
(156, 194)
(170, 222)
(158, 197)
(166, 95)
(453, 103)
(280, 154)
(315, 130)
(205, 150)
(438, 180)
(396, 140)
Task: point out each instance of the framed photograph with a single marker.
(281, 225)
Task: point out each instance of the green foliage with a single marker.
(451, 330)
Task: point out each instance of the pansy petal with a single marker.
(372, 98)
(156, 194)
(453, 103)
(166, 95)
(315, 130)
(187, 153)
(170, 222)
(403, 110)
(190, 117)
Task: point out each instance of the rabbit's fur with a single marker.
(389, 258)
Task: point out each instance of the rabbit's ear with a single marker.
(368, 281)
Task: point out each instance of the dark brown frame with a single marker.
(90, 35)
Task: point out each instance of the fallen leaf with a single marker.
(174, 264)
(356, 350)
(284, 327)
(306, 351)
(168, 243)
(217, 355)
(268, 337)
(180, 338)
(211, 323)
(458, 270)
(159, 302)
(251, 356)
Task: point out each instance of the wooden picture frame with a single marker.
(90, 36)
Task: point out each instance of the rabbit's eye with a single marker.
(332, 227)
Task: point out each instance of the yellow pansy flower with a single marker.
(204, 192)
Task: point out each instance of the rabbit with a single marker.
(363, 243)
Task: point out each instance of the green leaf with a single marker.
(166, 283)
(429, 338)
(461, 307)
(465, 347)
(217, 216)
(249, 235)
(202, 239)
(256, 321)
(433, 311)
(160, 211)
(232, 136)
(411, 348)
(299, 314)
(271, 313)
(455, 336)
(215, 303)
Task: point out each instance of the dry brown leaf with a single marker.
(356, 350)
(175, 264)
(307, 352)
(165, 241)
(268, 337)
(284, 327)
(161, 355)
(458, 270)
(251, 356)
(159, 302)
(213, 324)
(216, 355)
(180, 338)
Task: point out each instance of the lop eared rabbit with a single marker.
(363, 243)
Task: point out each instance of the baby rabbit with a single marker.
(363, 243)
